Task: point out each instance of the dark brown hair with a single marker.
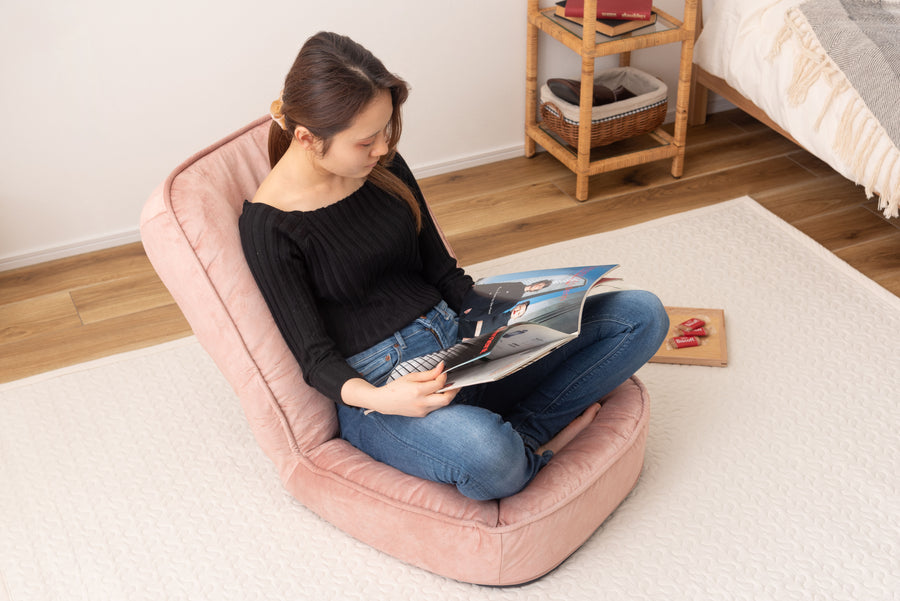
(332, 79)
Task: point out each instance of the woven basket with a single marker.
(611, 122)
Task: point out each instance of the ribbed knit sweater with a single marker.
(342, 278)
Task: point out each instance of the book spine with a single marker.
(576, 9)
(630, 15)
(625, 16)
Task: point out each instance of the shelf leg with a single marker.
(581, 187)
(531, 92)
(678, 163)
(583, 161)
(682, 103)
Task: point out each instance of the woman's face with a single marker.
(355, 151)
(518, 311)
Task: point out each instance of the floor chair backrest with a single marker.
(189, 228)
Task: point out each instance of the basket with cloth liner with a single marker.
(643, 112)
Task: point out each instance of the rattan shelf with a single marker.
(589, 45)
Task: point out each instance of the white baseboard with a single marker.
(70, 250)
(465, 162)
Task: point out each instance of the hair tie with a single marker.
(275, 111)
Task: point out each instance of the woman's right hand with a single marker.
(413, 395)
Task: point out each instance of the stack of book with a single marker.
(614, 17)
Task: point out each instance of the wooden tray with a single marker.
(712, 352)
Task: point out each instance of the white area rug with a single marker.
(136, 477)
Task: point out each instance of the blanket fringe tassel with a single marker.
(859, 133)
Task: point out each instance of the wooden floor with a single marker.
(85, 307)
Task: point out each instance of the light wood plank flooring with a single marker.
(85, 307)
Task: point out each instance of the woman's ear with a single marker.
(305, 137)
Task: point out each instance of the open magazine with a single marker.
(511, 320)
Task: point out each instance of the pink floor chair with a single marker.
(189, 231)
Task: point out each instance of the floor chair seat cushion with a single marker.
(189, 229)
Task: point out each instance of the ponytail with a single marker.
(279, 140)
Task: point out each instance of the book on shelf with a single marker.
(509, 321)
(639, 10)
(608, 27)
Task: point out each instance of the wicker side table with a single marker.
(589, 45)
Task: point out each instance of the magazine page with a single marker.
(550, 297)
(510, 320)
(501, 343)
(491, 371)
(518, 346)
(460, 354)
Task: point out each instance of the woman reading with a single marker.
(358, 279)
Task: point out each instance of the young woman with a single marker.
(358, 279)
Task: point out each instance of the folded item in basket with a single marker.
(649, 91)
(570, 91)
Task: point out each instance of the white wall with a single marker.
(101, 99)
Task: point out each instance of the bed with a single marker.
(824, 73)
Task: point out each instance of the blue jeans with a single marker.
(485, 441)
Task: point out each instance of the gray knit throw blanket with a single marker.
(862, 37)
(853, 46)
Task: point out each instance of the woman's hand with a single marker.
(413, 395)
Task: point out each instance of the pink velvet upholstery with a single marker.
(189, 230)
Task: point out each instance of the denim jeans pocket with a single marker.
(375, 364)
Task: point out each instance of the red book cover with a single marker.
(613, 9)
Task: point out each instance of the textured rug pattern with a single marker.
(136, 477)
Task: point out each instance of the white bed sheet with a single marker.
(737, 44)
